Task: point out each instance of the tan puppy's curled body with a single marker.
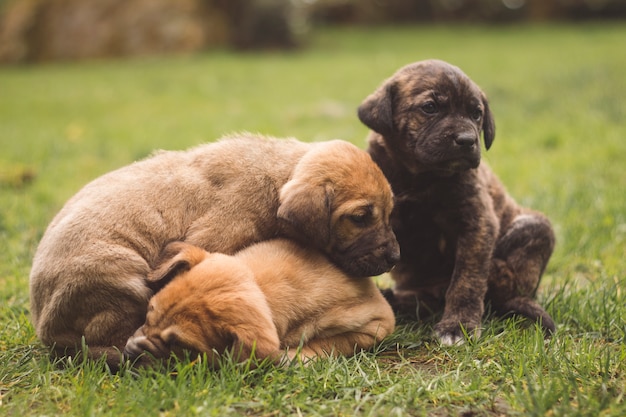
(88, 277)
(272, 296)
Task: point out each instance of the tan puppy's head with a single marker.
(431, 115)
(339, 201)
(210, 303)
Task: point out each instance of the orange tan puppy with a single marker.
(271, 297)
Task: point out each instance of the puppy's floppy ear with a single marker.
(376, 111)
(249, 326)
(263, 343)
(176, 258)
(306, 208)
(489, 125)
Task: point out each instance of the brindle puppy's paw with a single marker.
(453, 332)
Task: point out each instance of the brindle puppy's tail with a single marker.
(529, 309)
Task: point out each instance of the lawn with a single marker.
(558, 93)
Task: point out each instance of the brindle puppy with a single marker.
(463, 239)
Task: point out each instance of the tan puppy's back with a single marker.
(147, 202)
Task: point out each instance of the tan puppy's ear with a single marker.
(307, 209)
(265, 345)
(242, 324)
(176, 258)
(489, 125)
(244, 340)
(376, 111)
(259, 338)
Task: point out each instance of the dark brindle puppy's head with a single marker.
(339, 201)
(431, 114)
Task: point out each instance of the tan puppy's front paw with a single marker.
(140, 343)
(135, 346)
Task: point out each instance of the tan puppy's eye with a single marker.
(358, 219)
(362, 218)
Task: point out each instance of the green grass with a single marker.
(558, 97)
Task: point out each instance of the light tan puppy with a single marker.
(272, 296)
(89, 275)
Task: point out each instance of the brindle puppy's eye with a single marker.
(429, 107)
(477, 114)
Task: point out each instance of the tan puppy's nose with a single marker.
(393, 253)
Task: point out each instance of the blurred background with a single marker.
(46, 30)
(71, 110)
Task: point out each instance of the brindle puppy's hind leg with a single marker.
(519, 259)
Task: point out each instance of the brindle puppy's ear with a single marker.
(489, 125)
(376, 111)
(306, 208)
(176, 258)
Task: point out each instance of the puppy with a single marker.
(88, 278)
(268, 299)
(463, 239)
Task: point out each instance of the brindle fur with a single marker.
(464, 241)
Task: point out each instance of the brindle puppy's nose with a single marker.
(465, 140)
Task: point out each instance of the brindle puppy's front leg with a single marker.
(464, 304)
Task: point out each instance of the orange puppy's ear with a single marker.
(262, 341)
(306, 208)
(176, 258)
(248, 321)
